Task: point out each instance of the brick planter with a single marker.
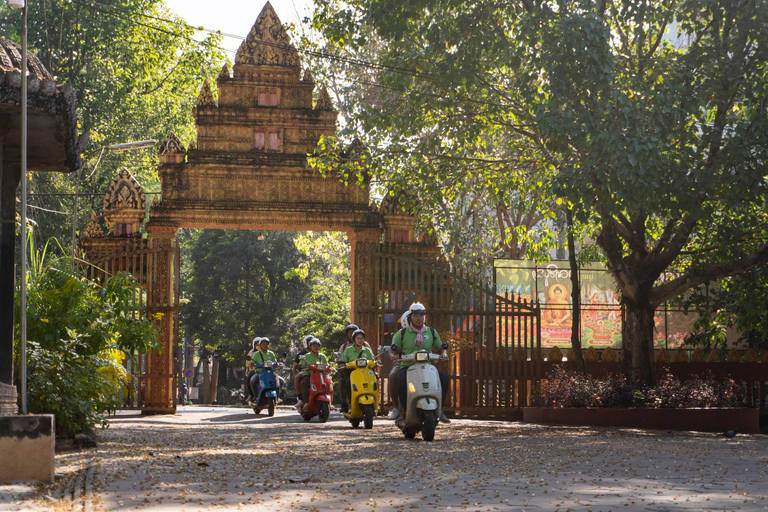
(746, 420)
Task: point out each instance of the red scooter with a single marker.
(320, 396)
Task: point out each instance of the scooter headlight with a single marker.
(321, 367)
(422, 357)
(267, 364)
(362, 363)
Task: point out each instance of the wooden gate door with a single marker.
(494, 340)
(151, 385)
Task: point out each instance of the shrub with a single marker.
(567, 388)
(78, 333)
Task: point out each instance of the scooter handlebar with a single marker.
(416, 357)
(369, 363)
(273, 365)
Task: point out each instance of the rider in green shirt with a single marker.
(263, 354)
(302, 378)
(357, 350)
(417, 336)
(259, 357)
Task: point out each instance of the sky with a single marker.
(235, 17)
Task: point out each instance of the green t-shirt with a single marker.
(405, 338)
(259, 357)
(351, 353)
(310, 359)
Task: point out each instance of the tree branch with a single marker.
(678, 285)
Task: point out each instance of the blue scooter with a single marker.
(264, 384)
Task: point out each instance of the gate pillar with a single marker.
(157, 387)
(365, 244)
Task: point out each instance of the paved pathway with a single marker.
(227, 459)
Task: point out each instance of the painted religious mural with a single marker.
(601, 319)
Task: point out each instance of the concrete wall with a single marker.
(27, 447)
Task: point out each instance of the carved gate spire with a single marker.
(124, 205)
(268, 43)
(206, 99)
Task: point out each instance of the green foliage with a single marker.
(457, 164)
(137, 71)
(326, 309)
(78, 333)
(650, 118)
(739, 302)
(238, 285)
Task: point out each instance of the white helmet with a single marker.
(404, 319)
(257, 340)
(416, 307)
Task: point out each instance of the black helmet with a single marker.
(358, 331)
(352, 327)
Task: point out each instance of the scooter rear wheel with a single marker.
(355, 423)
(428, 425)
(271, 407)
(325, 412)
(409, 434)
(368, 416)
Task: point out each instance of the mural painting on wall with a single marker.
(601, 320)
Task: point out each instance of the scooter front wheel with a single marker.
(368, 416)
(325, 412)
(271, 407)
(428, 426)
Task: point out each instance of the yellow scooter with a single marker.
(364, 395)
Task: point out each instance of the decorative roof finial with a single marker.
(206, 96)
(93, 229)
(224, 73)
(307, 76)
(172, 145)
(323, 100)
(268, 43)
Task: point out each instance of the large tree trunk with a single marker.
(638, 344)
(214, 382)
(575, 295)
(206, 382)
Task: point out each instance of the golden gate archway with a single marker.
(248, 170)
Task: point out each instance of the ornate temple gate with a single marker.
(151, 385)
(248, 170)
(495, 342)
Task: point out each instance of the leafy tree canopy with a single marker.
(650, 116)
(239, 285)
(137, 71)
